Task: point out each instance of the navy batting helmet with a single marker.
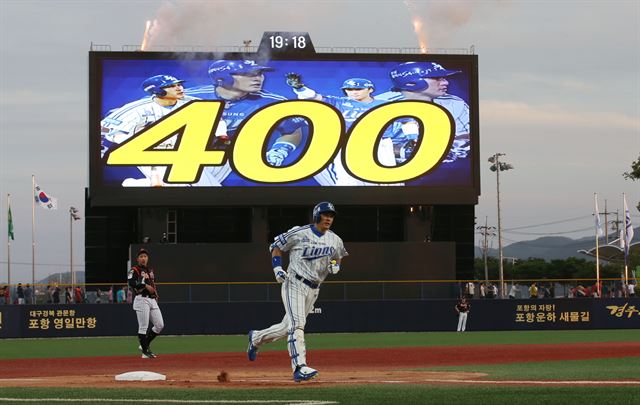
(220, 71)
(357, 83)
(322, 207)
(154, 85)
(409, 76)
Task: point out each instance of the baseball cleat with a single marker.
(148, 354)
(304, 373)
(252, 351)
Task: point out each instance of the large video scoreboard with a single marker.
(284, 127)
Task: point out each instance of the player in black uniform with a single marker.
(142, 281)
(462, 308)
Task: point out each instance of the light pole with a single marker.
(498, 166)
(73, 216)
(486, 231)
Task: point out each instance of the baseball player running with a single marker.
(358, 100)
(142, 281)
(166, 95)
(427, 81)
(239, 84)
(314, 253)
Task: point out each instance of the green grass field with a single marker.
(122, 346)
(459, 393)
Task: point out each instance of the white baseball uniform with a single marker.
(459, 110)
(126, 121)
(336, 174)
(310, 254)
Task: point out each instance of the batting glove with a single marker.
(281, 276)
(294, 80)
(334, 267)
(405, 151)
(279, 152)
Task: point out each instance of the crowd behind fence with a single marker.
(119, 293)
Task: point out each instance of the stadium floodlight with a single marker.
(498, 166)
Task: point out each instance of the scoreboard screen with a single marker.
(245, 129)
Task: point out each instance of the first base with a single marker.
(141, 376)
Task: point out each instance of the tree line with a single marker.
(539, 269)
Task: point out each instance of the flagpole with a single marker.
(595, 195)
(8, 241)
(624, 237)
(33, 230)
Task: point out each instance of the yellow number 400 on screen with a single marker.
(195, 124)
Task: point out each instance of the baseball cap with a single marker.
(405, 75)
(142, 251)
(357, 83)
(235, 67)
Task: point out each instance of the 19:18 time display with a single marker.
(279, 42)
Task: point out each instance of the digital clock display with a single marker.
(287, 43)
(279, 42)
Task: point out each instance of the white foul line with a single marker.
(533, 382)
(172, 401)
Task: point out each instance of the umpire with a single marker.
(141, 280)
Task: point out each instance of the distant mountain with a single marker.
(62, 278)
(549, 248)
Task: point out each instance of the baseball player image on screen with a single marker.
(165, 95)
(314, 253)
(427, 81)
(141, 280)
(358, 99)
(240, 85)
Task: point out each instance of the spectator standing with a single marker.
(77, 295)
(121, 296)
(56, 294)
(129, 296)
(533, 290)
(110, 295)
(67, 295)
(488, 290)
(7, 294)
(483, 290)
(632, 290)
(470, 290)
(28, 294)
(494, 289)
(513, 292)
(20, 293)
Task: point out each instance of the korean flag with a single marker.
(45, 200)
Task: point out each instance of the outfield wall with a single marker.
(330, 316)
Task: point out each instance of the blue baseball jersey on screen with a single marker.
(351, 109)
(236, 111)
(458, 108)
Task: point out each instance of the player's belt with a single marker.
(307, 282)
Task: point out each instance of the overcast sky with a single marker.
(559, 94)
